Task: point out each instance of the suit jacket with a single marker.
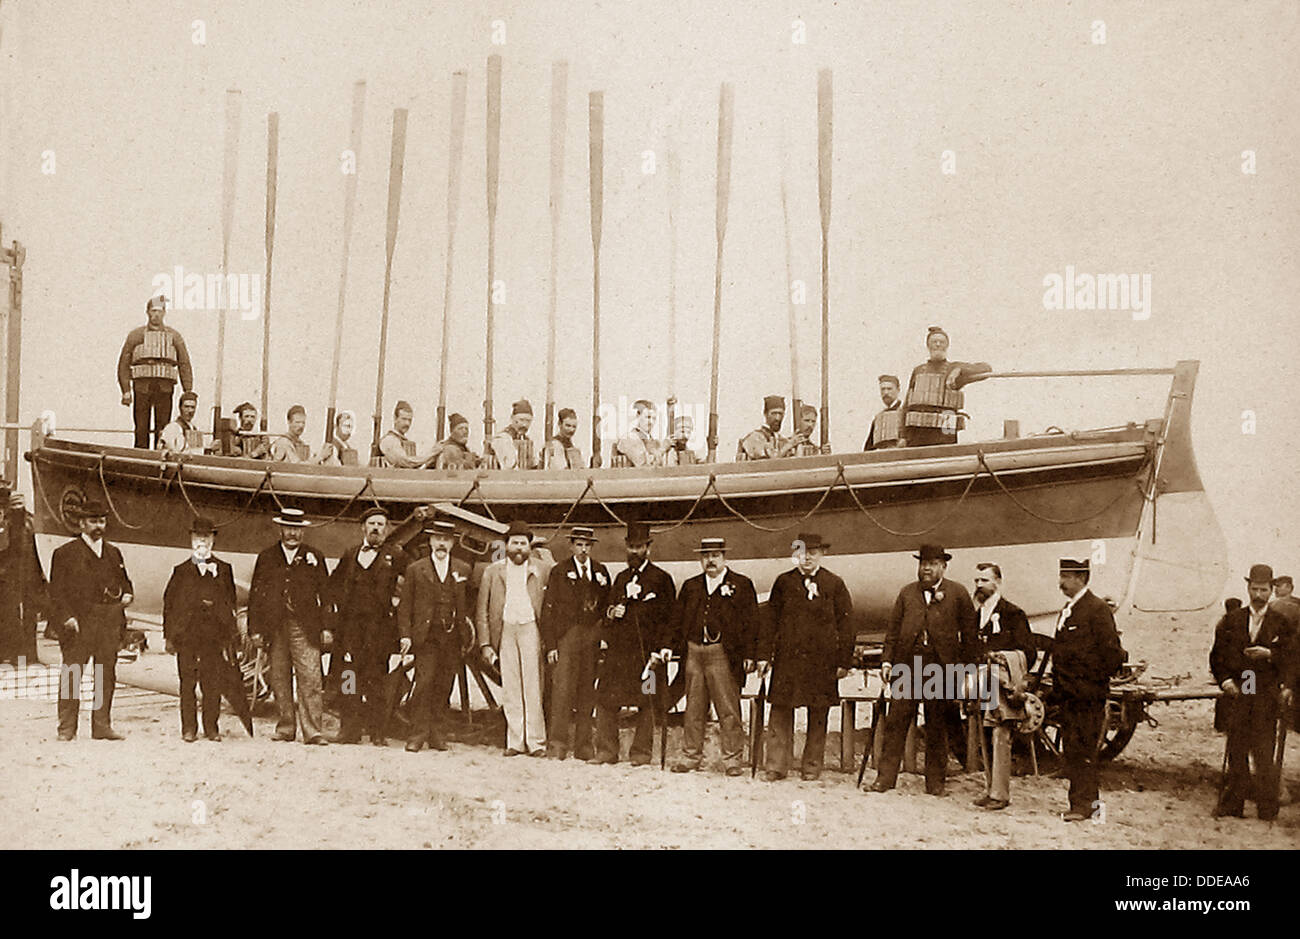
(435, 611)
(1013, 632)
(1231, 637)
(184, 617)
(950, 623)
(731, 614)
(361, 618)
(304, 584)
(492, 599)
(79, 581)
(644, 628)
(1086, 651)
(572, 600)
(807, 639)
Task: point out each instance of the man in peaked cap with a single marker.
(1253, 660)
(513, 448)
(766, 442)
(1085, 654)
(198, 626)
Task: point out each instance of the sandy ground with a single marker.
(154, 790)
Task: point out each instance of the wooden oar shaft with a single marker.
(493, 175)
(559, 118)
(230, 170)
(396, 163)
(596, 161)
(455, 151)
(272, 174)
(349, 211)
(792, 316)
(824, 122)
(723, 197)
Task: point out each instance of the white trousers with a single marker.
(521, 686)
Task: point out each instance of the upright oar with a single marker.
(396, 161)
(596, 160)
(493, 176)
(723, 195)
(349, 209)
(272, 174)
(228, 180)
(674, 202)
(796, 402)
(455, 150)
(559, 121)
(824, 203)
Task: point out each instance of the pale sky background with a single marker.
(1122, 157)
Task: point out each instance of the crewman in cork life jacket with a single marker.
(152, 359)
(932, 409)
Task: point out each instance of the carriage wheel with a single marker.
(1118, 726)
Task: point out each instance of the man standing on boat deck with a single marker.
(89, 593)
(290, 447)
(509, 608)
(181, 436)
(715, 626)
(286, 610)
(513, 448)
(395, 448)
(454, 452)
(560, 451)
(932, 410)
(766, 442)
(363, 594)
(887, 424)
(572, 610)
(637, 446)
(932, 625)
(152, 359)
(247, 442)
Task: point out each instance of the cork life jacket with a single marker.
(886, 426)
(408, 447)
(155, 356)
(193, 436)
(931, 403)
(523, 449)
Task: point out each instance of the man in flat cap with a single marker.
(152, 359)
(509, 608)
(181, 436)
(454, 451)
(286, 610)
(433, 619)
(198, 627)
(807, 638)
(1253, 660)
(560, 451)
(572, 610)
(89, 593)
(887, 424)
(1085, 654)
(23, 588)
(715, 629)
(931, 626)
(636, 634)
(362, 596)
(638, 447)
(932, 409)
(513, 448)
(247, 442)
(766, 442)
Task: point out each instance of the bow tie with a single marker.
(206, 568)
(366, 549)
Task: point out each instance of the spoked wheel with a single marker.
(1117, 730)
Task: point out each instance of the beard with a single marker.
(517, 557)
(982, 594)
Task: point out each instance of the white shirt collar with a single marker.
(711, 583)
(989, 605)
(96, 546)
(816, 570)
(289, 554)
(441, 566)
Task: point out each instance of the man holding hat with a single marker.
(513, 448)
(22, 580)
(152, 359)
(454, 452)
(572, 610)
(433, 621)
(766, 442)
(181, 436)
(89, 593)
(246, 442)
(807, 638)
(1085, 654)
(932, 625)
(714, 630)
(198, 626)
(635, 632)
(509, 608)
(363, 595)
(286, 610)
(1253, 662)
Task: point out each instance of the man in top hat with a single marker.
(198, 627)
(932, 410)
(23, 588)
(715, 628)
(572, 610)
(433, 619)
(1085, 654)
(286, 610)
(363, 595)
(181, 436)
(395, 448)
(560, 451)
(513, 448)
(766, 442)
(931, 625)
(509, 608)
(454, 452)
(807, 638)
(1253, 661)
(152, 359)
(638, 447)
(339, 451)
(636, 635)
(887, 424)
(247, 442)
(89, 593)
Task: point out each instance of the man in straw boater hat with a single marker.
(572, 610)
(89, 593)
(715, 626)
(932, 626)
(766, 442)
(1085, 654)
(1254, 661)
(198, 626)
(433, 620)
(363, 594)
(286, 610)
(509, 607)
(807, 638)
(513, 448)
(636, 635)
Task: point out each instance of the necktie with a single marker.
(208, 569)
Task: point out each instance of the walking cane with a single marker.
(1280, 753)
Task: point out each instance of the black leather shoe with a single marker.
(982, 801)
(437, 745)
(109, 734)
(878, 786)
(997, 805)
(414, 746)
(318, 741)
(67, 735)
(189, 736)
(769, 776)
(735, 771)
(215, 737)
(379, 741)
(283, 738)
(685, 767)
(809, 777)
